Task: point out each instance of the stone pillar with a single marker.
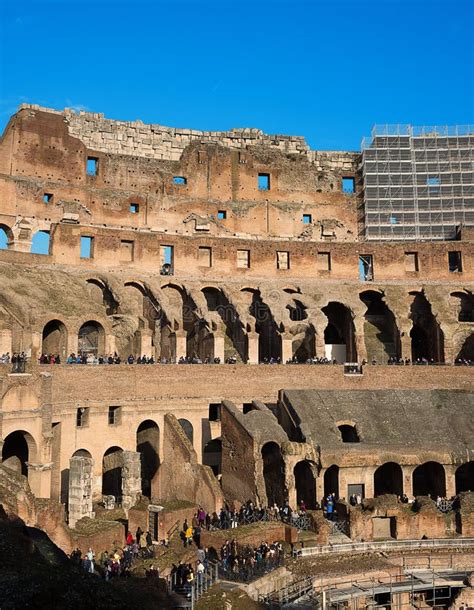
(180, 345)
(36, 345)
(286, 348)
(360, 339)
(144, 343)
(109, 344)
(6, 341)
(219, 347)
(450, 471)
(39, 478)
(408, 480)
(252, 348)
(131, 478)
(405, 344)
(80, 489)
(320, 487)
(72, 343)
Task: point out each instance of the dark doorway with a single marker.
(305, 484)
(112, 463)
(388, 479)
(465, 478)
(429, 479)
(16, 452)
(331, 481)
(54, 338)
(212, 455)
(148, 445)
(274, 474)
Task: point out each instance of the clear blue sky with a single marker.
(326, 70)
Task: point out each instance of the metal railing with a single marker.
(388, 545)
(248, 572)
(303, 523)
(193, 591)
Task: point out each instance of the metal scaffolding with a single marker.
(418, 182)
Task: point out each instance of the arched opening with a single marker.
(303, 342)
(91, 339)
(465, 306)
(54, 338)
(82, 453)
(6, 237)
(467, 350)
(269, 338)
(348, 433)
(112, 463)
(100, 290)
(212, 455)
(40, 243)
(297, 311)
(429, 479)
(388, 479)
(381, 336)
(148, 445)
(427, 338)
(305, 483)
(235, 340)
(188, 429)
(331, 481)
(19, 448)
(273, 474)
(339, 335)
(465, 477)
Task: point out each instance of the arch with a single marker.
(331, 481)
(465, 477)
(467, 349)
(465, 306)
(112, 463)
(427, 338)
(303, 342)
(429, 479)
(212, 455)
(108, 299)
(6, 237)
(381, 335)
(148, 445)
(388, 479)
(269, 338)
(188, 429)
(339, 335)
(235, 340)
(40, 243)
(18, 449)
(54, 338)
(297, 311)
(91, 338)
(82, 453)
(349, 433)
(305, 483)
(273, 473)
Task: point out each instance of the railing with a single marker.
(19, 367)
(248, 572)
(201, 583)
(291, 593)
(302, 523)
(389, 545)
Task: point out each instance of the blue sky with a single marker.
(327, 70)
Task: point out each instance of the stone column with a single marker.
(320, 487)
(405, 344)
(72, 343)
(36, 341)
(286, 347)
(144, 339)
(360, 338)
(408, 480)
(131, 478)
(219, 347)
(109, 344)
(450, 471)
(252, 348)
(180, 344)
(80, 489)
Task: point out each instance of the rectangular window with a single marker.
(366, 268)
(348, 185)
(166, 260)
(48, 198)
(92, 166)
(87, 246)
(205, 256)
(221, 214)
(264, 182)
(114, 416)
(179, 180)
(82, 417)
(134, 208)
(307, 219)
(411, 261)
(455, 262)
(283, 260)
(243, 259)
(324, 261)
(126, 250)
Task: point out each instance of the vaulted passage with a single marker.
(427, 338)
(429, 479)
(18, 448)
(465, 477)
(273, 474)
(467, 350)
(112, 463)
(305, 484)
(148, 445)
(212, 455)
(388, 479)
(331, 481)
(269, 338)
(381, 334)
(465, 305)
(91, 339)
(54, 339)
(339, 335)
(235, 340)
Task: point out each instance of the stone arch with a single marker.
(153, 321)
(148, 445)
(427, 338)
(6, 237)
(467, 349)
(305, 483)
(91, 338)
(339, 332)
(269, 337)
(40, 242)
(19, 448)
(110, 303)
(381, 335)
(112, 463)
(348, 433)
(235, 340)
(273, 473)
(465, 477)
(212, 455)
(429, 479)
(388, 479)
(187, 426)
(465, 305)
(82, 453)
(331, 481)
(54, 338)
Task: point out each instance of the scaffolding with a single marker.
(418, 182)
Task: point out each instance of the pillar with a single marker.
(131, 478)
(5, 341)
(408, 480)
(80, 489)
(219, 347)
(286, 348)
(180, 345)
(36, 345)
(144, 343)
(72, 343)
(450, 474)
(360, 339)
(252, 348)
(405, 344)
(109, 344)
(39, 478)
